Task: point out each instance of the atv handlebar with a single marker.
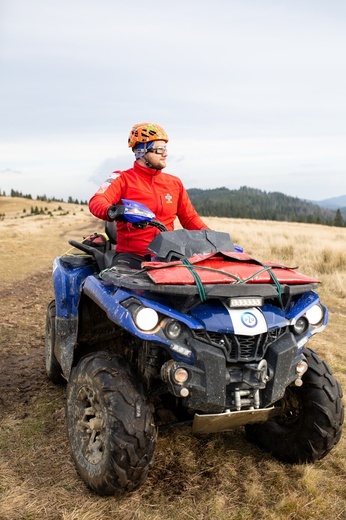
(137, 214)
(116, 212)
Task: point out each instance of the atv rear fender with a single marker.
(69, 273)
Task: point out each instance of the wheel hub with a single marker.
(90, 425)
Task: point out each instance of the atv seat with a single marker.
(111, 231)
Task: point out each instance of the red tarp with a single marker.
(222, 265)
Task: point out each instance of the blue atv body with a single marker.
(217, 356)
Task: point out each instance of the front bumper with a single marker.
(214, 385)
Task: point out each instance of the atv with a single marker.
(203, 331)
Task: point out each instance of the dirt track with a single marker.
(30, 246)
(22, 314)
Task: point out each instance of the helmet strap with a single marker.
(147, 163)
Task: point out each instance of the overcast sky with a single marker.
(251, 92)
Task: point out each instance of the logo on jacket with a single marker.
(108, 182)
(168, 198)
(248, 319)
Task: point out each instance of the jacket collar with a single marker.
(143, 170)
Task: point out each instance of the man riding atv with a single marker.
(146, 183)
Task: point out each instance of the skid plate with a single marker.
(221, 422)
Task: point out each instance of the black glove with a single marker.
(116, 212)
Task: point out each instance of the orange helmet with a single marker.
(145, 133)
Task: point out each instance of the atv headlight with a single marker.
(173, 329)
(315, 314)
(301, 325)
(146, 318)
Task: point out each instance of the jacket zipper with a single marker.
(159, 200)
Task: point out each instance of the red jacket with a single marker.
(161, 192)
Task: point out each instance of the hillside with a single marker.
(261, 205)
(246, 202)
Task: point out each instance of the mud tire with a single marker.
(53, 369)
(312, 421)
(110, 425)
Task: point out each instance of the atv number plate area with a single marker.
(222, 422)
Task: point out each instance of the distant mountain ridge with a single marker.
(261, 205)
(333, 203)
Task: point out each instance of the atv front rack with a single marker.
(143, 280)
(138, 280)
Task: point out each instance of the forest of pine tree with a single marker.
(260, 205)
(246, 203)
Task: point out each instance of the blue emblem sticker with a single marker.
(247, 322)
(248, 319)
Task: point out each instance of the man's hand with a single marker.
(116, 212)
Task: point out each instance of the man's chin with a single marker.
(160, 166)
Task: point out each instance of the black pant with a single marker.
(129, 260)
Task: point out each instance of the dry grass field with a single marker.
(210, 477)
